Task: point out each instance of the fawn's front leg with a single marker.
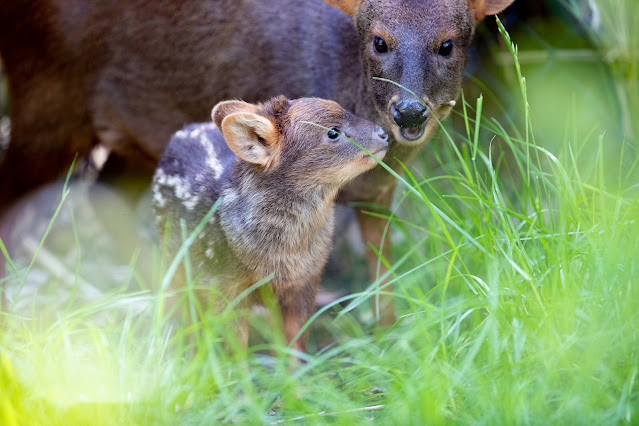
(372, 230)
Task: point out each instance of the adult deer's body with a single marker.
(128, 74)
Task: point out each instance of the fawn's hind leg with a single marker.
(296, 304)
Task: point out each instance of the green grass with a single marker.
(515, 265)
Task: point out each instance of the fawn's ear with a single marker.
(348, 6)
(223, 109)
(483, 8)
(251, 136)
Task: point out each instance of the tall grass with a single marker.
(514, 273)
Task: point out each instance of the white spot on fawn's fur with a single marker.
(181, 188)
(158, 199)
(212, 160)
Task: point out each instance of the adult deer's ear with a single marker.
(483, 8)
(251, 136)
(223, 109)
(348, 6)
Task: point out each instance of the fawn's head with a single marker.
(419, 44)
(276, 136)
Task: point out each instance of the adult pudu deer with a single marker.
(129, 74)
(277, 178)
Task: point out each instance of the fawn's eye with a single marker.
(380, 45)
(446, 48)
(333, 133)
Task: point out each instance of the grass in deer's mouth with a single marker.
(515, 272)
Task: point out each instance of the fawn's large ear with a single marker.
(348, 6)
(225, 108)
(483, 8)
(251, 136)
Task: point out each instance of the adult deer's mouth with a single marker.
(413, 133)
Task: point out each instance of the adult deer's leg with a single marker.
(372, 229)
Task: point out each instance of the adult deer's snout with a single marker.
(409, 114)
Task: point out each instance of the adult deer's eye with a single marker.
(380, 45)
(333, 133)
(446, 48)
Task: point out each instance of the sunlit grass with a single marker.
(515, 277)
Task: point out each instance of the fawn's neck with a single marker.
(260, 205)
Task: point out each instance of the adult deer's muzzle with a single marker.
(410, 117)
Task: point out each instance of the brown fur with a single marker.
(128, 74)
(278, 188)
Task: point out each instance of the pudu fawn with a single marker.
(278, 177)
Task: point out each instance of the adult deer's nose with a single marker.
(409, 114)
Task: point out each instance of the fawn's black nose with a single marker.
(409, 114)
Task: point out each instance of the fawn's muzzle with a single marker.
(381, 133)
(379, 142)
